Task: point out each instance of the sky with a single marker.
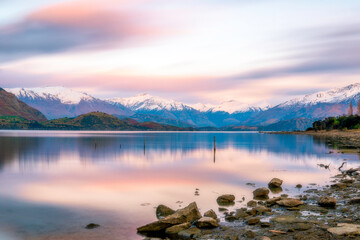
(255, 52)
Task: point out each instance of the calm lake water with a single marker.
(52, 184)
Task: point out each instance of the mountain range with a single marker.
(295, 114)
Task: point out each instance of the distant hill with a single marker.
(300, 124)
(89, 121)
(140, 117)
(11, 106)
(104, 121)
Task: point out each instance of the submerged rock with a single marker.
(272, 201)
(275, 183)
(261, 193)
(290, 202)
(163, 211)
(253, 221)
(286, 219)
(206, 222)
(189, 233)
(345, 229)
(354, 201)
(226, 199)
(276, 190)
(92, 226)
(326, 201)
(251, 203)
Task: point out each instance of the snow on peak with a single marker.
(145, 101)
(231, 106)
(331, 96)
(64, 95)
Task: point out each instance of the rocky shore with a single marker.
(347, 139)
(327, 212)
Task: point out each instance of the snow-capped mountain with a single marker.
(165, 108)
(64, 95)
(338, 95)
(231, 106)
(318, 105)
(58, 102)
(145, 101)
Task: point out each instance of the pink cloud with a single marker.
(78, 25)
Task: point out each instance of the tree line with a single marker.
(349, 121)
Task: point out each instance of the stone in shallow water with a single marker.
(354, 201)
(345, 229)
(290, 202)
(226, 199)
(187, 214)
(286, 219)
(206, 222)
(189, 233)
(92, 226)
(251, 203)
(253, 221)
(275, 182)
(261, 193)
(326, 201)
(211, 214)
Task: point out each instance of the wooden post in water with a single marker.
(214, 149)
(144, 146)
(95, 144)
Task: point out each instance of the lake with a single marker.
(53, 183)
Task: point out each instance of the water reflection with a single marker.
(116, 179)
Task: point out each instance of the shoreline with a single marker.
(349, 139)
(319, 212)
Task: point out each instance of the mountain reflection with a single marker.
(97, 146)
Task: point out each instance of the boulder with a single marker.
(226, 199)
(290, 202)
(206, 222)
(326, 201)
(211, 214)
(188, 214)
(261, 193)
(177, 228)
(345, 229)
(163, 211)
(275, 183)
(298, 186)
